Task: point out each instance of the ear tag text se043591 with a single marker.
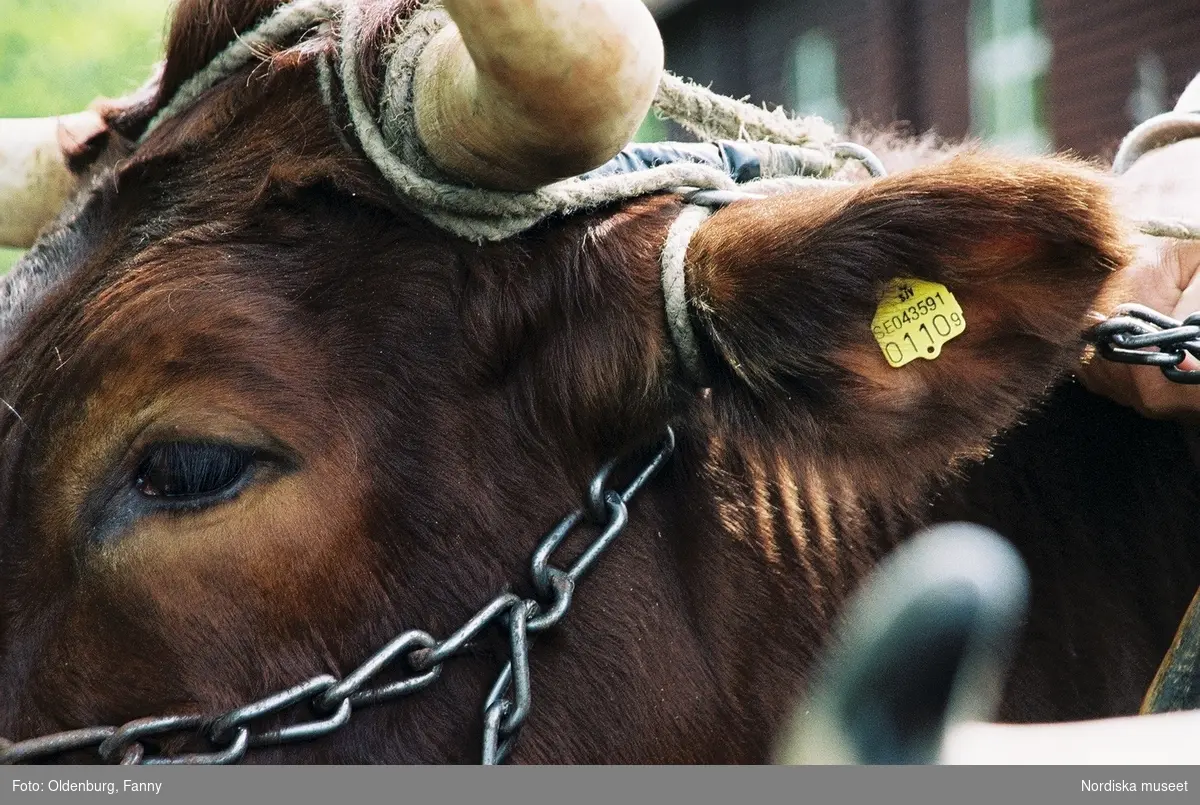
(914, 319)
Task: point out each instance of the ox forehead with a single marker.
(259, 417)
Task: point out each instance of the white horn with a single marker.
(1159, 739)
(516, 94)
(35, 181)
(1189, 101)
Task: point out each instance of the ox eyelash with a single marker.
(192, 473)
(177, 477)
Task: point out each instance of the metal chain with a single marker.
(1133, 334)
(1140, 335)
(327, 704)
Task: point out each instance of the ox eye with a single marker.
(192, 472)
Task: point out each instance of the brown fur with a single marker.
(431, 408)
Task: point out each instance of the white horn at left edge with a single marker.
(35, 181)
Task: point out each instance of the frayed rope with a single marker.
(391, 142)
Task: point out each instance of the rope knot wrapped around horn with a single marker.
(491, 114)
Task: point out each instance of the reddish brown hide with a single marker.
(414, 412)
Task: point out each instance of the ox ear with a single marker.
(785, 292)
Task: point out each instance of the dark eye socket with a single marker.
(191, 471)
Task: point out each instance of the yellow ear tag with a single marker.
(914, 319)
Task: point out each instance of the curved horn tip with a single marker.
(516, 95)
(35, 180)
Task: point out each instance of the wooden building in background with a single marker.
(1030, 74)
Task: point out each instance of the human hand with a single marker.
(1164, 275)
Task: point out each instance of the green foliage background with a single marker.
(56, 56)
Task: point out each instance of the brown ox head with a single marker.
(257, 418)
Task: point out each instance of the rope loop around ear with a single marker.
(674, 284)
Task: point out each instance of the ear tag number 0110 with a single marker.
(914, 319)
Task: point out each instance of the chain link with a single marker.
(1140, 335)
(325, 704)
(1133, 334)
